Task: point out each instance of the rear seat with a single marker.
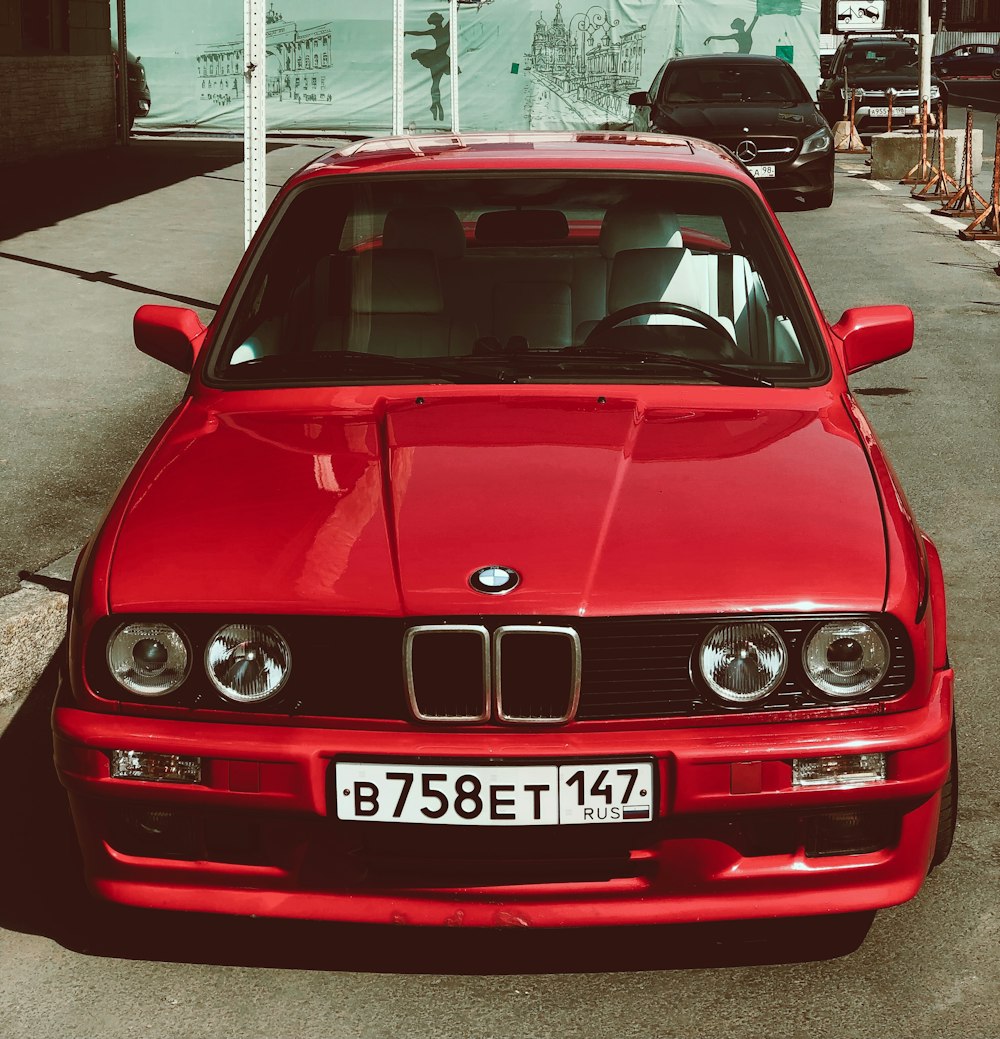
(397, 308)
(526, 277)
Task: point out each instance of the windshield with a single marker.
(703, 84)
(880, 57)
(520, 278)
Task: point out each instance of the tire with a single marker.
(820, 199)
(948, 815)
(995, 74)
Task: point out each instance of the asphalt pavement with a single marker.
(84, 242)
(79, 402)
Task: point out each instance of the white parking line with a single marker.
(951, 223)
(879, 186)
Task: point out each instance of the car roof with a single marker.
(727, 59)
(565, 151)
(867, 41)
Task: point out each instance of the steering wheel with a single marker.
(660, 307)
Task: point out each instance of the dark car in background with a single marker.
(971, 59)
(876, 67)
(753, 105)
(139, 100)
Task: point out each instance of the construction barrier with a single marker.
(987, 224)
(845, 135)
(966, 201)
(941, 185)
(920, 173)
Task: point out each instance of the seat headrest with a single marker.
(648, 275)
(522, 226)
(397, 281)
(638, 225)
(436, 228)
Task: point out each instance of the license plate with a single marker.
(761, 172)
(897, 113)
(495, 795)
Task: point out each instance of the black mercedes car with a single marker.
(755, 106)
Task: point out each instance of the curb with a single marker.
(32, 625)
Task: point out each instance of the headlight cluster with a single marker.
(246, 663)
(743, 662)
(819, 142)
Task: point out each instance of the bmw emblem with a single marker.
(494, 580)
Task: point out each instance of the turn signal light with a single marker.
(838, 771)
(155, 768)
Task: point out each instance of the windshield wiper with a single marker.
(723, 373)
(302, 365)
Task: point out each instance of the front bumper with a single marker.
(732, 839)
(803, 175)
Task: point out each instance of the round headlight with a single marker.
(248, 662)
(148, 658)
(846, 658)
(743, 663)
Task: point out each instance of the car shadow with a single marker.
(47, 191)
(42, 892)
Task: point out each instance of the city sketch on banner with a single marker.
(581, 69)
(299, 64)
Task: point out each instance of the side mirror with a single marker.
(170, 334)
(873, 334)
(638, 99)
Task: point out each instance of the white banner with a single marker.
(523, 64)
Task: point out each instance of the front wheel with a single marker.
(820, 199)
(948, 815)
(995, 74)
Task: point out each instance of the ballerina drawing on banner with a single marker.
(742, 35)
(436, 61)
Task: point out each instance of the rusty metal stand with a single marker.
(853, 145)
(921, 173)
(987, 224)
(941, 185)
(892, 96)
(966, 201)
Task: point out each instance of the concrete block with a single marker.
(32, 624)
(895, 154)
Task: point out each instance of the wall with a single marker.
(59, 98)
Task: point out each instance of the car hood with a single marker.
(903, 79)
(713, 120)
(604, 506)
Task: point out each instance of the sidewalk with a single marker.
(83, 242)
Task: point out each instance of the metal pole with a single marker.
(398, 12)
(926, 43)
(123, 102)
(254, 120)
(453, 61)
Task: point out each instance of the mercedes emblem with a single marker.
(746, 151)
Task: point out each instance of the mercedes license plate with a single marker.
(495, 795)
(761, 172)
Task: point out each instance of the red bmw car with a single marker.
(518, 554)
